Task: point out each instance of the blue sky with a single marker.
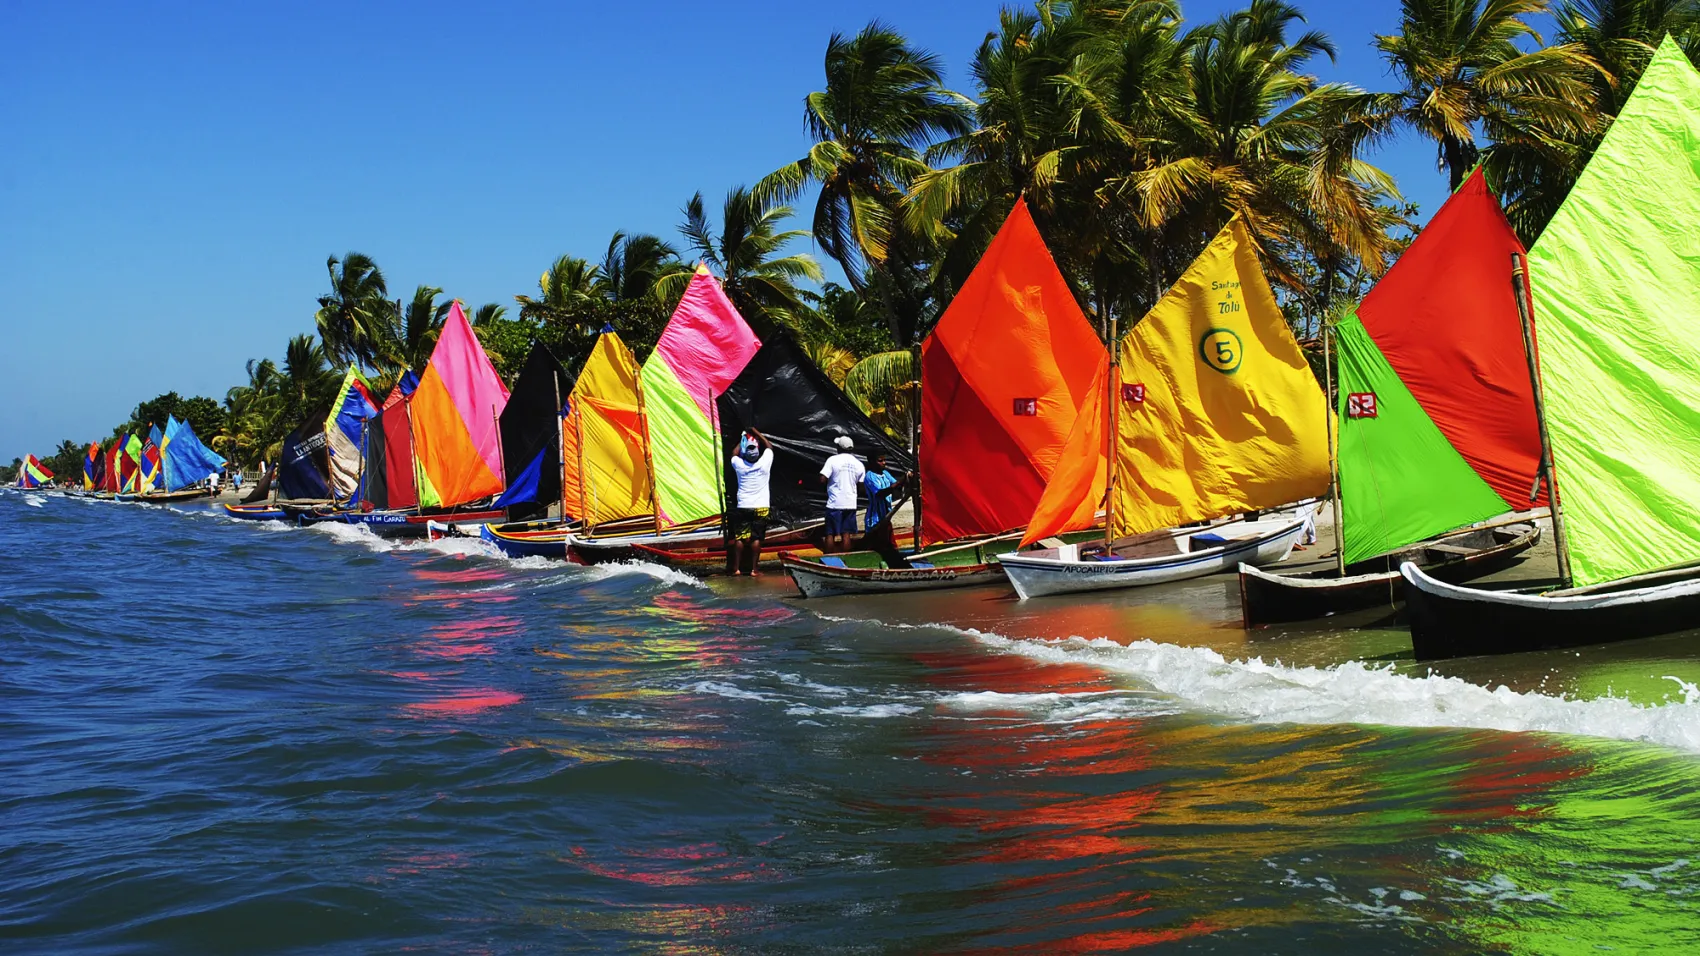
(176, 174)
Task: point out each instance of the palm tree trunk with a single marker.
(1460, 159)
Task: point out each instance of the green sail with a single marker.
(1616, 287)
(1400, 479)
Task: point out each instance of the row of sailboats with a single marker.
(150, 467)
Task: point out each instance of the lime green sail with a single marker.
(1615, 279)
(1400, 479)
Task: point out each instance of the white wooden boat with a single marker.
(1156, 559)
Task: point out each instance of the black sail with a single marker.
(531, 434)
(791, 401)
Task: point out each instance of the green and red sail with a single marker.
(1436, 412)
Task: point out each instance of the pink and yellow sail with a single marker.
(701, 352)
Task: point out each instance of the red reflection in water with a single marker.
(458, 640)
(463, 703)
(694, 864)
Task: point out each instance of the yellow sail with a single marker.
(605, 475)
(1219, 412)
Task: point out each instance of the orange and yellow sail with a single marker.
(605, 472)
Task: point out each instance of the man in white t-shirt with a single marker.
(753, 465)
(842, 475)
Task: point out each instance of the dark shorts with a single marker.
(841, 521)
(749, 524)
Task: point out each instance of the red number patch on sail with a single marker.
(1026, 406)
(1133, 393)
(1360, 405)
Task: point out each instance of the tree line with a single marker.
(1134, 136)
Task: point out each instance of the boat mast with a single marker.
(1520, 288)
(413, 456)
(1114, 397)
(1333, 450)
(496, 419)
(915, 438)
(648, 458)
(560, 440)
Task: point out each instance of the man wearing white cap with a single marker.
(842, 475)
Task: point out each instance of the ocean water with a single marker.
(218, 737)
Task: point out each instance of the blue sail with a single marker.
(187, 461)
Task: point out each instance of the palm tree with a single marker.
(634, 265)
(568, 285)
(421, 322)
(761, 283)
(354, 319)
(307, 380)
(884, 104)
(487, 313)
(1462, 69)
(1534, 169)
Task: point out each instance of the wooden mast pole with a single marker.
(560, 442)
(1328, 405)
(501, 460)
(1520, 288)
(1114, 397)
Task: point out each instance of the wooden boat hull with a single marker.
(644, 547)
(1045, 573)
(1267, 598)
(256, 513)
(546, 540)
(391, 524)
(815, 580)
(1449, 620)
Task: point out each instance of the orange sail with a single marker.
(1076, 489)
(1004, 375)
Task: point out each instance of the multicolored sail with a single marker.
(390, 476)
(94, 468)
(704, 347)
(111, 482)
(1436, 417)
(455, 437)
(531, 433)
(1219, 411)
(1005, 373)
(32, 473)
(130, 465)
(345, 429)
(603, 445)
(187, 460)
(152, 476)
(1615, 281)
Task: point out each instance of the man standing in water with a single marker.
(753, 465)
(841, 474)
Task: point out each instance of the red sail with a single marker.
(1004, 374)
(1446, 319)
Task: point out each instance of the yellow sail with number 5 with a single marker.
(1218, 411)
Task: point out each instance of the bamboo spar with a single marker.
(1114, 398)
(1520, 289)
(1333, 450)
(560, 442)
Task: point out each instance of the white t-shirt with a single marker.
(752, 479)
(843, 473)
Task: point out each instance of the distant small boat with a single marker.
(1154, 559)
(166, 497)
(1270, 598)
(256, 512)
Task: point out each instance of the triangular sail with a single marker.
(1616, 287)
(112, 468)
(1220, 412)
(94, 468)
(455, 408)
(186, 460)
(1400, 479)
(33, 474)
(1004, 374)
(704, 347)
(345, 429)
(1076, 490)
(784, 395)
(1445, 318)
(303, 466)
(130, 465)
(531, 432)
(152, 475)
(606, 473)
